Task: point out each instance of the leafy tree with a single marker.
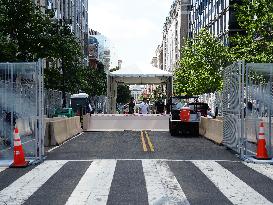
(93, 81)
(124, 94)
(25, 26)
(256, 43)
(201, 64)
(30, 35)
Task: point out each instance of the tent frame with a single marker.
(115, 78)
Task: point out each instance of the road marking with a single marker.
(94, 186)
(50, 150)
(2, 169)
(162, 185)
(149, 142)
(237, 191)
(143, 142)
(20, 190)
(265, 169)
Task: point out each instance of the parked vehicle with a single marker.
(80, 103)
(185, 113)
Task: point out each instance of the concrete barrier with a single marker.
(121, 122)
(58, 130)
(211, 129)
(24, 126)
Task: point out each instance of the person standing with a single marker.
(132, 106)
(144, 107)
(159, 106)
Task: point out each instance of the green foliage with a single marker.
(256, 43)
(26, 34)
(124, 94)
(200, 66)
(93, 81)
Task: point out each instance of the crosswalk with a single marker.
(164, 182)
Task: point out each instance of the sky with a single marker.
(134, 28)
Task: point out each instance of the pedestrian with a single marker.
(144, 107)
(159, 106)
(132, 106)
(216, 113)
(209, 113)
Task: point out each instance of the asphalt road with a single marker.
(128, 145)
(138, 168)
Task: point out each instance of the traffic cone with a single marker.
(18, 152)
(261, 146)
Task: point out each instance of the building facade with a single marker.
(100, 51)
(73, 13)
(157, 60)
(175, 31)
(218, 16)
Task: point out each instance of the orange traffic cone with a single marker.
(18, 152)
(261, 146)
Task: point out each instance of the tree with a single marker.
(124, 94)
(200, 67)
(30, 35)
(255, 44)
(93, 81)
(25, 26)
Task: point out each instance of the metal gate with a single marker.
(247, 101)
(258, 106)
(21, 106)
(233, 107)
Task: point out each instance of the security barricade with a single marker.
(21, 106)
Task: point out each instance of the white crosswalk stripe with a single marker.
(2, 169)
(237, 191)
(94, 186)
(20, 190)
(265, 169)
(162, 186)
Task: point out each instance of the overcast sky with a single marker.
(133, 26)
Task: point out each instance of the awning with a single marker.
(140, 75)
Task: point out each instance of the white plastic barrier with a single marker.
(121, 122)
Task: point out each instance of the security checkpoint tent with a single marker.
(136, 75)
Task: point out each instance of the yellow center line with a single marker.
(149, 142)
(143, 142)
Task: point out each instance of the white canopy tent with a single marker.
(136, 75)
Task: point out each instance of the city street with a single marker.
(138, 168)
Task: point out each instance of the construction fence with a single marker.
(21, 106)
(247, 101)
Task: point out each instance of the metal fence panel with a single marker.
(258, 104)
(232, 106)
(21, 106)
